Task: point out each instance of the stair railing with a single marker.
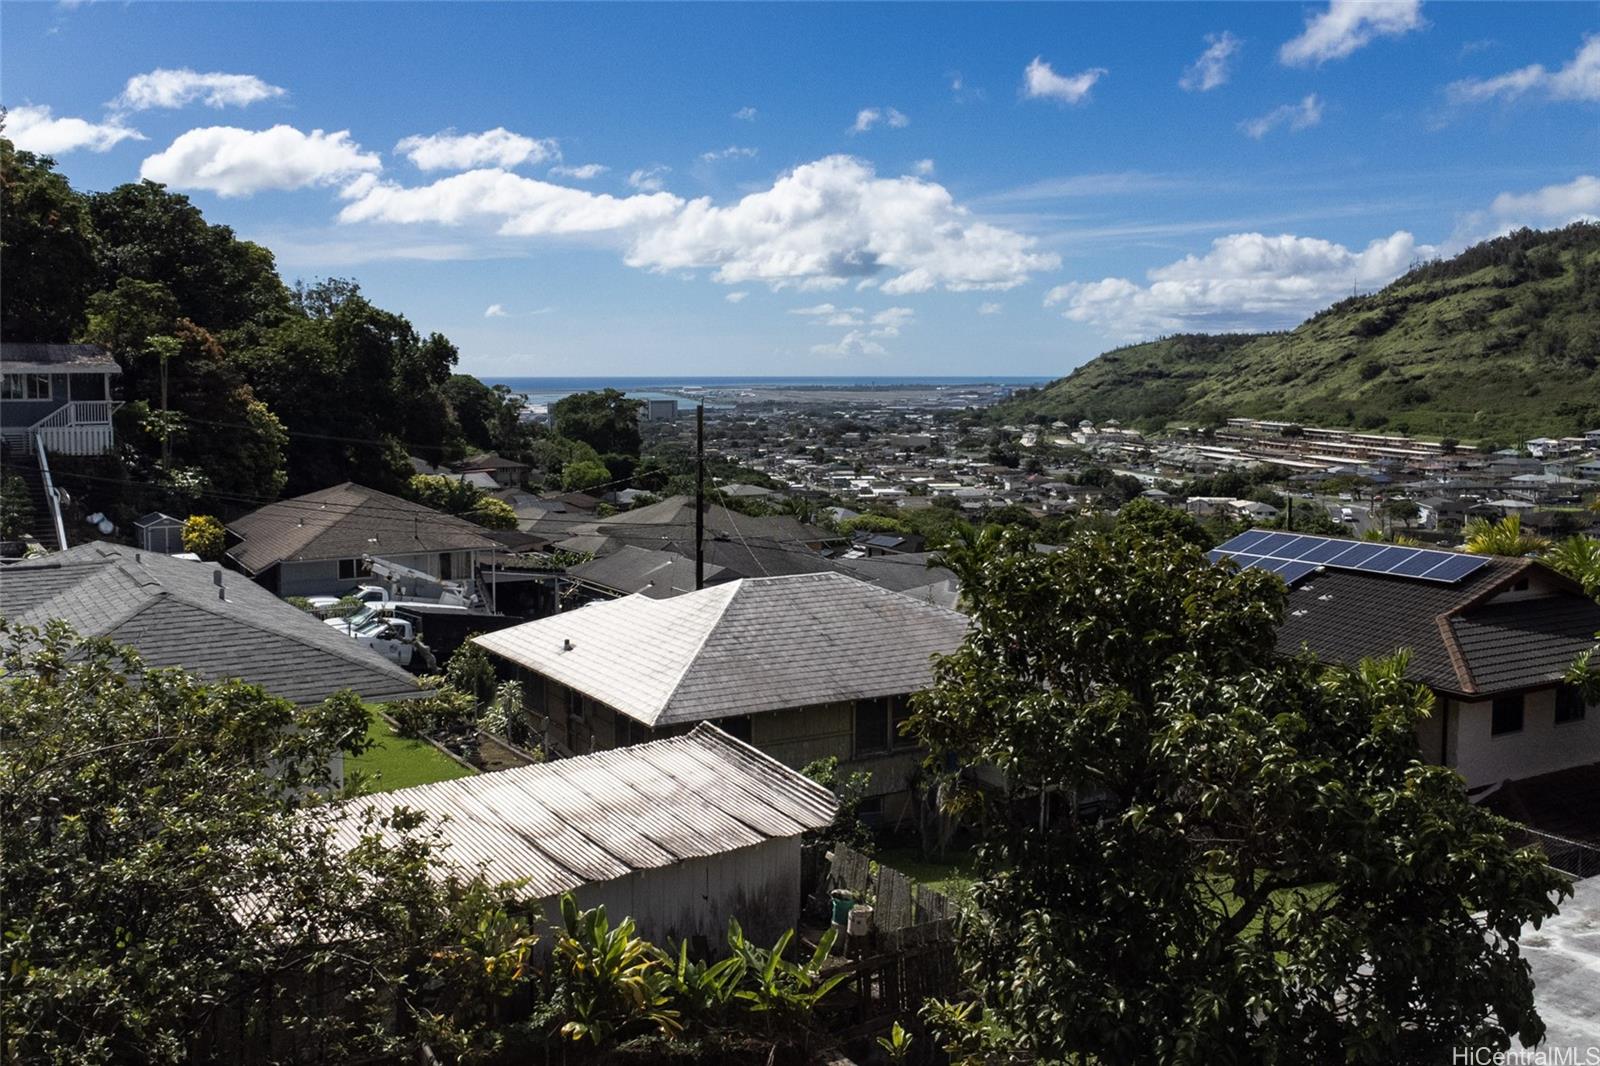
(50, 491)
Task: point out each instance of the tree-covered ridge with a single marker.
(1501, 342)
(268, 388)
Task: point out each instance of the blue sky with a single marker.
(839, 189)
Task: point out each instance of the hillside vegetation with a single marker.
(1500, 343)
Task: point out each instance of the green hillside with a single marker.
(1500, 343)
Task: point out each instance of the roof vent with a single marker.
(216, 577)
(566, 645)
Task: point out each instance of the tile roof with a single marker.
(346, 522)
(56, 358)
(751, 645)
(592, 818)
(1458, 643)
(170, 610)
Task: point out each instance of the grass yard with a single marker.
(395, 762)
(953, 876)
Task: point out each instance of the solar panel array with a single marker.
(1294, 555)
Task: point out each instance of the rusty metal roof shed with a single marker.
(564, 824)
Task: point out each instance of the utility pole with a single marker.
(700, 496)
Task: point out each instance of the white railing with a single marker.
(78, 427)
(51, 499)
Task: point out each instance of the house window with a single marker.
(445, 560)
(349, 569)
(1570, 704)
(737, 727)
(872, 726)
(901, 711)
(1506, 715)
(25, 387)
(576, 717)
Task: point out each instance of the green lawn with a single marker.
(395, 762)
(952, 877)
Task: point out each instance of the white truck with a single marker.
(364, 594)
(396, 640)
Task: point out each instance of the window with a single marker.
(1570, 704)
(902, 711)
(445, 559)
(737, 727)
(349, 569)
(872, 726)
(1506, 717)
(25, 387)
(575, 718)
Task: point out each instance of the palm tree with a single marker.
(1504, 537)
(1579, 558)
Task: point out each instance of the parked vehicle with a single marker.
(392, 638)
(1347, 515)
(366, 594)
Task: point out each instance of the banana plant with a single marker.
(704, 990)
(609, 979)
(784, 993)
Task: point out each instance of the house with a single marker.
(504, 473)
(197, 616)
(317, 543)
(680, 834)
(1491, 637)
(59, 394)
(629, 570)
(802, 667)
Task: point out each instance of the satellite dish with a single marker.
(106, 526)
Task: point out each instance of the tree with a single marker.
(606, 420)
(1504, 537)
(204, 536)
(584, 475)
(1578, 557)
(48, 246)
(1398, 509)
(1158, 520)
(167, 898)
(16, 506)
(1209, 852)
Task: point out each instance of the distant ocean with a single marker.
(549, 390)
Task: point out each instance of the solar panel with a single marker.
(1294, 555)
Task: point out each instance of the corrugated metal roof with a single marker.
(752, 645)
(597, 817)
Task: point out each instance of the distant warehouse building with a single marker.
(659, 411)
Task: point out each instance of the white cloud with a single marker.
(1553, 205)
(1040, 82)
(1348, 25)
(869, 117)
(922, 168)
(179, 88)
(746, 114)
(856, 342)
(1247, 281)
(864, 334)
(236, 162)
(736, 297)
(496, 311)
(1214, 66)
(824, 309)
(499, 147)
(580, 173)
(1304, 115)
(989, 307)
(835, 220)
(733, 151)
(35, 129)
(1578, 80)
(820, 226)
(520, 206)
(649, 179)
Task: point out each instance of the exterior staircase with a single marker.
(24, 463)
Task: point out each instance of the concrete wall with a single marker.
(1541, 747)
(759, 885)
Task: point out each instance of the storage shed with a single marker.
(680, 834)
(158, 532)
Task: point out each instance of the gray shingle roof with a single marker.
(656, 574)
(598, 817)
(345, 522)
(171, 612)
(56, 358)
(747, 646)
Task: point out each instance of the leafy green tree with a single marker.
(872, 523)
(1158, 520)
(1209, 852)
(491, 513)
(1404, 511)
(605, 420)
(1578, 557)
(48, 246)
(16, 506)
(583, 476)
(204, 536)
(1505, 537)
(167, 898)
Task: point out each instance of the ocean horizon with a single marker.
(546, 390)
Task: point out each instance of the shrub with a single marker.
(203, 535)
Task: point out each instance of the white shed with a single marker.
(679, 834)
